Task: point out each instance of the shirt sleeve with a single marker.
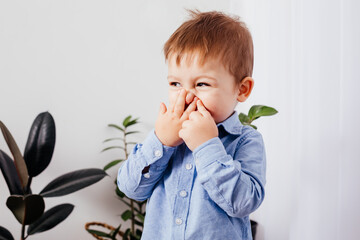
(235, 184)
(131, 181)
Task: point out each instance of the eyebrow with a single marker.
(200, 76)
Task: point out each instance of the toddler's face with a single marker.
(211, 83)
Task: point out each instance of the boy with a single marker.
(202, 172)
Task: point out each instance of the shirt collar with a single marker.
(232, 124)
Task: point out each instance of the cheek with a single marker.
(208, 101)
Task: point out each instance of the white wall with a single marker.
(93, 62)
(307, 57)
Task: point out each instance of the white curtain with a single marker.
(307, 60)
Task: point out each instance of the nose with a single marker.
(189, 97)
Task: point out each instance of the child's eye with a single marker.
(174, 84)
(203, 84)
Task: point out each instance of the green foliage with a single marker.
(255, 112)
(135, 212)
(28, 208)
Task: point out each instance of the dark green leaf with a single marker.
(126, 120)
(116, 231)
(27, 209)
(126, 234)
(126, 215)
(138, 233)
(99, 233)
(244, 119)
(19, 160)
(73, 181)
(5, 234)
(113, 147)
(112, 139)
(141, 217)
(40, 144)
(119, 193)
(132, 132)
(113, 163)
(141, 224)
(116, 127)
(257, 111)
(253, 126)
(8, 170)
(51, 218)
(132, 122)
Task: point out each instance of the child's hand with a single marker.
(200, 127)
(169, 121)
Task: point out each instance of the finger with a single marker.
(172, 103)
(162, 109)
(185, 124)
(180, 103)
(191, 108)
(181, 133)
(189, 97)
(194, 115)
(201, 109)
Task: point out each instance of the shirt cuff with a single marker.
(209, 152)
(156, 154)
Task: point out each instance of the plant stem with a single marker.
(23, 232)
(131, 201)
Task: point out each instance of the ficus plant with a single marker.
(135, 212)
(19, 171)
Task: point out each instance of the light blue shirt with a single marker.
(206, 194)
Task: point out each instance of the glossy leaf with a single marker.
(8, 170)
(116, 127)
(244, 119)
(40, 144)
(113, 163)
(20, 165)
(72, 182)
(51, 218)
(26, 209)
(5, 234)
(257, 111)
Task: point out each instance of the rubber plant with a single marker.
(19, 171)
(135, 212)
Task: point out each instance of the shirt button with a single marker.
(188, 166)
(157, 153)
(183, 193)
(178, 221)
(147, 175)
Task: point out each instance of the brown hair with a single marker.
(214, 35)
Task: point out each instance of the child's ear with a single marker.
(245, 88)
